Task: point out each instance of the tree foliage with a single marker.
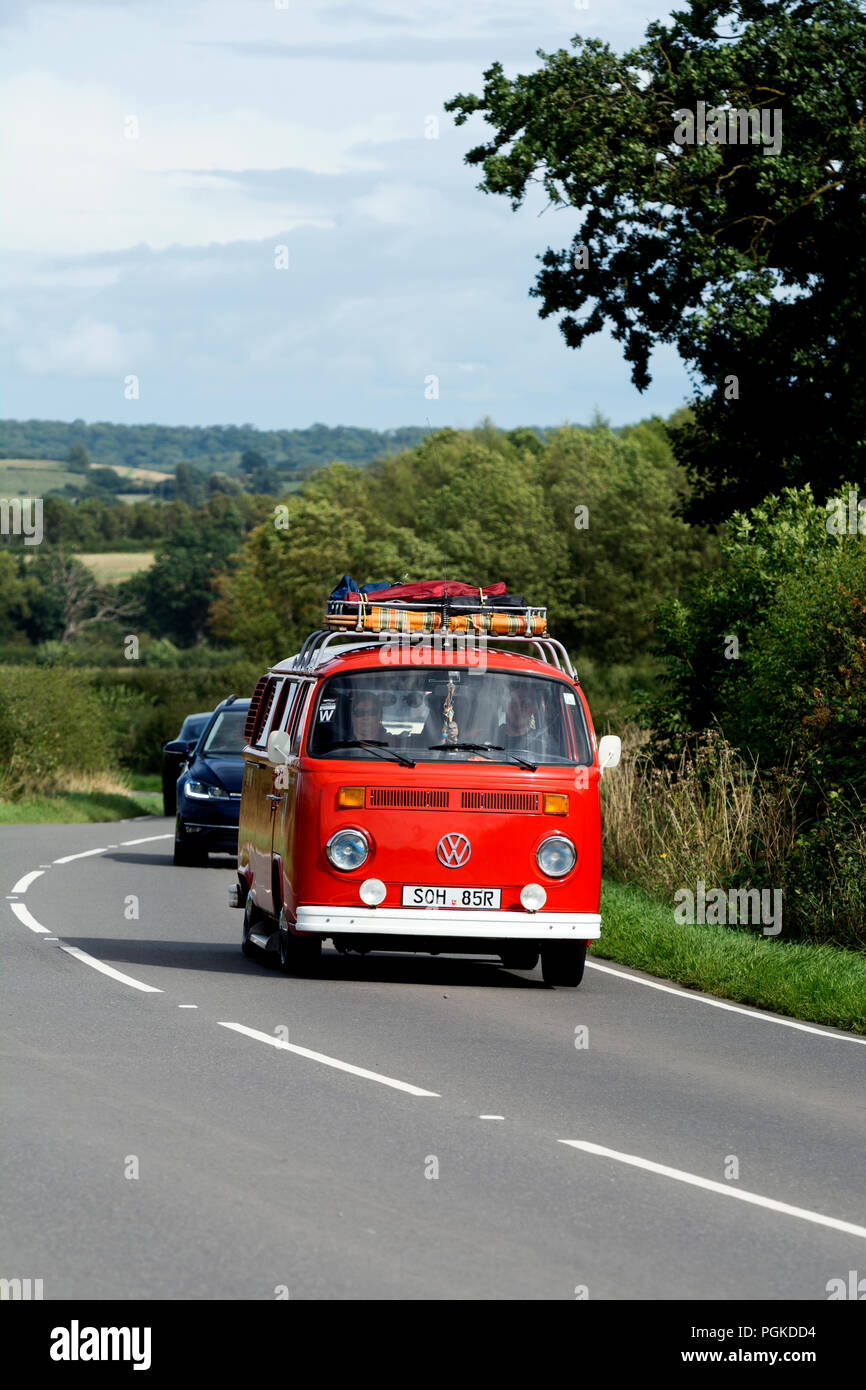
(751, 263)
(793, 595)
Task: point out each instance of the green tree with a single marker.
(751, 262)
(771, 646)
(189, 484)
(174, 595)
(615, 502)
(274, 592)
(78, 459)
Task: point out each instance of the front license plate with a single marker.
(419, 895)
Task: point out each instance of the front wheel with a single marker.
(299, 955)
(188, 856)
(520, 957)
(562, 963)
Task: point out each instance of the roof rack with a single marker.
(451, 613)
(315, 646)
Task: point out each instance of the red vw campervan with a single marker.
(423, 790)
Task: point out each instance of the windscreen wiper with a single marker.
(373, 743)
(485, 748)
(465, 747)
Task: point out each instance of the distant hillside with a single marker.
(211, 448)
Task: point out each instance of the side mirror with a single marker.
(180, 747)
(609, 751)
(279, 747)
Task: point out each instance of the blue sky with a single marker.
(158, 153)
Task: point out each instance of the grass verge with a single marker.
(78, 806)
(816, 983)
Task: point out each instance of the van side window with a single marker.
(282, 703)
(252, 723)
(298, 720)
(257, 737)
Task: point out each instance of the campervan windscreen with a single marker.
(433, 715)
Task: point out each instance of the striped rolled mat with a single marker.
(380, 619)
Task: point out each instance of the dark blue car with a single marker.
(175, 756)
(209, 788)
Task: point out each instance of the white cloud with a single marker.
(88, 348)
(74, 182)
(403, 205)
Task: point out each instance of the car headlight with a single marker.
(556, 856)
(206, 791)
(347, 849)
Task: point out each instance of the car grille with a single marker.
(499, 801)
(442, 799)
(415, 798)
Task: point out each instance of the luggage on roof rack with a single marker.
(440, 618)
(435, 605)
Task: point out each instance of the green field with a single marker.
(112, 566)
(35, 477)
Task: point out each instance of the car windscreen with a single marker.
(192, 727)
(226, 734)
(430, 714)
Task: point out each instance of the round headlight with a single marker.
(347, 849)
(556, 856)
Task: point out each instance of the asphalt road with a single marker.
(151, 1151)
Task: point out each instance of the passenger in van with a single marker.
(522, 726)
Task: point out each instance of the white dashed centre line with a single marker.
(329, 1061)
(144, 841)
(723, 1189)
(83, 854)
(108, 970)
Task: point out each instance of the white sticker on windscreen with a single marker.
(326, 711)
(568, 697)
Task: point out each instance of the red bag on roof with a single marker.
(425, 589)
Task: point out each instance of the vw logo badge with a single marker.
(453, 851)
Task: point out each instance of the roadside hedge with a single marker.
(59, 723)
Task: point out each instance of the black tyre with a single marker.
(252, 916)
(188, 856)
(299, 955)
(520, 957)
(562, 963)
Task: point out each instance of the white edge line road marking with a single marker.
(329, 1061)
(27, 918)
(187, 1006)
(146, 839)
(84, 854)
(699, 998)
(491, 1117)
(24, 883)
(109, 970)
(724, 1189)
